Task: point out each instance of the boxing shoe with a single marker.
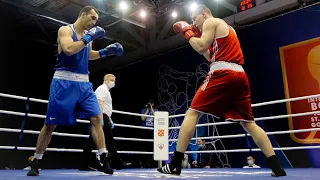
(170, 169)
(174, 167)
(121, 164)
(87, 168)
(116, 161)
(34, 171)
(104, 165)
(275, 166)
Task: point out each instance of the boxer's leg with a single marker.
(88, 147)
(187, 129)
(261, 139)
(88, 106)
(241, 111)
(259, 136)
(211, 98)
(44, 139)
(98, 134)
(58, 113)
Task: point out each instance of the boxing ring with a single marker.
(194, 173)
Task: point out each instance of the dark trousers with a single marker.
(110, 144)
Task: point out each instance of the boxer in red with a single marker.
(225, 93)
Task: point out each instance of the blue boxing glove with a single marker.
(112, 49)
(111, 123)
(94, 33)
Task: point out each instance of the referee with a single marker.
(105, 103)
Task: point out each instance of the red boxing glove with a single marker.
(182, 27)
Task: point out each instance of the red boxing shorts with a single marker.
(225, 93)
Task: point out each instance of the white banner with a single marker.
(160, 133)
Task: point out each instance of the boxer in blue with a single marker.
(71, 94)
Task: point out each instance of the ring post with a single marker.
(161, 137)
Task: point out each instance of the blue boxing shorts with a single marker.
(71, 97)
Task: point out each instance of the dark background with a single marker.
(27, 69)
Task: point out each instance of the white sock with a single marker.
(38, 156)
(102, 150)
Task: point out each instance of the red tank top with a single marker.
(227, 49)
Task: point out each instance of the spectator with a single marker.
(206, 160)
(147, 160)
(251, 162)
(149, 110)
(185, 162)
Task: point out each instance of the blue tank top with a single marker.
(77, 63)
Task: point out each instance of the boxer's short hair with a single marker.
(201, 8)
(87, 9)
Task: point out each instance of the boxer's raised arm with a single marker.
(69, 47)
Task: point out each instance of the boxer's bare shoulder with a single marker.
(217, 26)
(64, 31)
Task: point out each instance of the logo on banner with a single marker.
(160, 146)
(160, 132)
(161, 121)
(302, 57)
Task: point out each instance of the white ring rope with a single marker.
(23, 98)
(71, 135)
(71, 150)
(46, 101)
(130, 113)
(244, 135)
(267, 103)
(131, 126)
(173, 116)
(34, 115)
(187, 152)
(170, 140)
(256, 119)
(38, 132)
(78, 120)
(256, 149)
(285, 100)
(177, 127)
(253, 105)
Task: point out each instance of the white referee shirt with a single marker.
(103, 93)
(253, 166)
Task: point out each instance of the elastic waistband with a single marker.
(71, 76)
(222, 65)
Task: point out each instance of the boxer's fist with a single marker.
(112, 49)
(94, 33)
(119, 49)
(184, 28)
